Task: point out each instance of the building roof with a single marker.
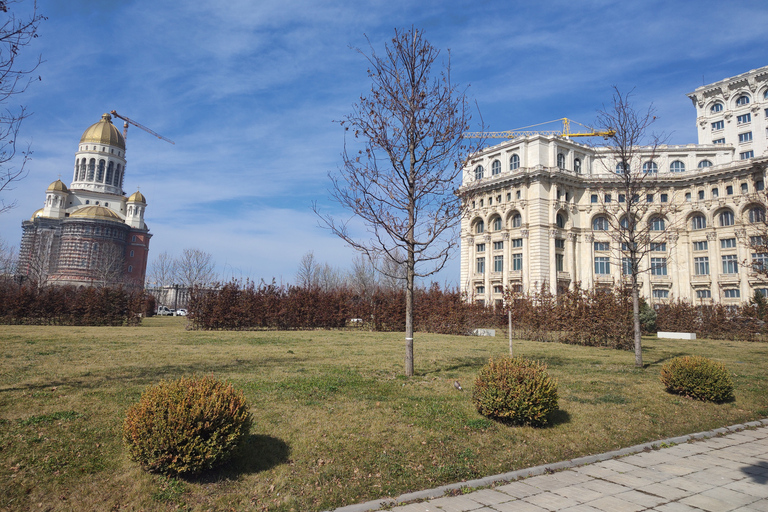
(96, 212)
(57, 186)
(137, 197)
(104, 132)
(38, 213)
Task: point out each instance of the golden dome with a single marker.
(137, 197)
(96, 212)
(57, 186)
(104, 132)
(38, 213)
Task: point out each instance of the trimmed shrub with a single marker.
(515, 390)
(186, 426)
(697, 377)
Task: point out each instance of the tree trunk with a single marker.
(636, 319)
(409, 315)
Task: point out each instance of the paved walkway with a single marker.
(725, 470)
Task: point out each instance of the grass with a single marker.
(335, 421)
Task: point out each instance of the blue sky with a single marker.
(249, 91)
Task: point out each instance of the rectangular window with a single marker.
(593, 198)
(727, 243)
(659, 246)
(688, 197)
(517, 262)
(490, 201)
(648, 198)
(756, 240)
(730, 265)
(744, 188)
(517, 194)
(658, 266)
(480, 290)
(481, 203)
(664, 198)
(746, 155)
(602, 265)
(498, 199)
(480, 269)
(602, 246)
(607, 198)
(762, 291)
(759, 185)
(744, 119)
(559, 262)
(480, 248)
(517, 242)
(509, 196)
(660, 294)
(718, 141)
(715, 192)
(760, 262)
(622, 198)
(626, 266)
(700, 246)
(498, 288)
(701, 195)
(498, 263)
(729, 190)
(559, 243)
(497, 246)
(703, 294)
(745, 137)
(701, 266)
(732, 293)
(718, 125)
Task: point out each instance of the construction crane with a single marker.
(521, 132)
(134, 123)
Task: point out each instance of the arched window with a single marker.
(717, 107)
(117, 176)
(577, 165)
(560, 221)
(600, 224)
(77, 168)
(705, 163)
(742, 100)
(479, 172)
(756, 214)
(621, 167)
(698, 222)
(110, 172)
(765, 95)
(658, 224)
(650, 168)
(677, 166)
(479, 227)
(517, 220)
(100, 173)
(561, 160)
(497, 224)
(726, 218)
(496, 168)
(624, 223)
(514, 162)
(91, 169)
(82, 169)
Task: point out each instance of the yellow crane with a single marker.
(522, 132)
(134, 123)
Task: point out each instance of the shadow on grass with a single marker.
(558, 417)
(258, 453)
(665, 358)
(457, 364)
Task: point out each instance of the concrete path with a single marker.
(725, 470)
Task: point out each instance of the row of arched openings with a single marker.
(87, 170)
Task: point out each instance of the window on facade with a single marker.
(698, 222)
(130, 268)
(624, 223)
(718, 141)
(742, 100)
(495, 167)
(626, 266)
(593, 198)
(490, 201)
(517, 262)
(732, 293)
(509, 196)
(600, 224)
(517, 242)
(648, 198)
(746, 155)
(660, 294)
(650, 168)
(517, 194)
(717, 107)
(100, 172)
(705, 163)
(703, 294)
(759, 185)
(479, 172)
(730, 264)
(622, 198)
(517, 220)
(560, 220)
(729, 190)
(762, 291)
(700, 246)
(498, 263)
(498, 288)
(760, 262)
(91, 169)
(663, 198)
(497, 224)
(659, 246)
(756, 240)
(561, 160)
(744, 188)
(514, 162)
(715, 192)
(701, 266)
(701, 194)
(577, 165)
(658, 266)
(480, 290)
(607, 198)
(602, 246)
(756, 214)
(480, 248)
(746, 118)
(677, 166)
(745, 137)
(498, 199)
(718, 125)
(602, 265)
(658, 224)
(559, 265)
(727, 243)
(497, 246)
(621, 168)
(480, 266)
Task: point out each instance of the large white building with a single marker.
(542, 208)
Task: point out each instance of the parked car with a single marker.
(181, 312)
(164, 311)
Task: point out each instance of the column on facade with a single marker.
(681, 280)
(551, 260)
(488, 270)
(715, 265)
(570, 259)
(745, 259)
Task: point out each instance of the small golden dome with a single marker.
(137, 197)
(95, 212)
(104, 132)
(57, 186)
(38, 213)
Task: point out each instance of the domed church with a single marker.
(89, 233)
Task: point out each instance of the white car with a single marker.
(181, 312)
(164, 311)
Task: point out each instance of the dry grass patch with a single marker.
(334, 421)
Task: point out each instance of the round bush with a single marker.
(697, 377)
(186, 426)
(515, 390)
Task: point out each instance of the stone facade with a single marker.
(541, 208)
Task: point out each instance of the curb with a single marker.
(371, 506)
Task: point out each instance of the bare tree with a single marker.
(393, 272)
(8, 259)
(363, 278)
(162, 272)
(307, 274)
(195, 267)
(402, 182)
(632, 149)
(16, 33)
(108, 264)
(329, 278)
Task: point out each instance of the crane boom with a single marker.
(565, 132)
(138, 125)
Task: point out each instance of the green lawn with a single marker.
(335, 421)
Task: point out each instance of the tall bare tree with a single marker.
(631, 153)
(108, 265)
(162, 272)
(401, 182)
(362, 276)
(195, 267)
(16, 33)
(9, 258)
(307, 273)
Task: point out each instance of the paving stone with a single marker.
(518, 489)
(676, 506)
(715, 476)
(687, 484)
(675, 469)
(550, 501)
(629, 480)
(416, 507)
(618, 466)
(648, 459)
(649, 474)
(549, 482)
(708, 503)
(641, 498)
(581, 508)
(455, 504)
(614, 504)
(594, 471)
(578, 493)
(749, 487)
(730, 496)
(489, 497)
(758, 506)
(518, 506)
(604, 487)
(665, 491)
